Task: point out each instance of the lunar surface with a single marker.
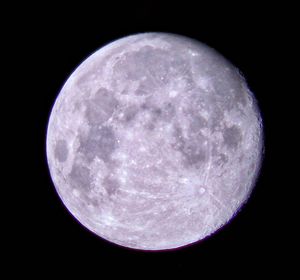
(154, 142)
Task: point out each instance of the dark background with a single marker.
(50, 43)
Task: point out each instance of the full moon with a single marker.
(155, 141)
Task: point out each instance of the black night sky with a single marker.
(52, 41)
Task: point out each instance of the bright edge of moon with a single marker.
(154, 142)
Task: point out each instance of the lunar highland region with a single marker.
(154, 142)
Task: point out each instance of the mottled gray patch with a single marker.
(197, 122)
(177, 141)
(241, 96)
(156, 115)
(193, 149)
(194, 153)
(84, 80)
(146, 62)
(180, 67)
(146, 106)
(216, 119)
(202, 101)
(111, 185)
(229, 88)
(157, 112)
(80, 177)
(100, 108)
(61, 150)
(232, 136)
(129, 113)
(227, 83)
(168, 112)
(154, 68)
(150, 125)
(101, 142)
(221, 159)
(131, 65)
(156, 63)
(144, 89)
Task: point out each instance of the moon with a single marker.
(155, 141)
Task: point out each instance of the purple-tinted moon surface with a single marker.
(154, 142)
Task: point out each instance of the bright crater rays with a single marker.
(154, 142)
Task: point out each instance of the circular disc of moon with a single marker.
(154, 142)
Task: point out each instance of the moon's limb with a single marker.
(154, 142)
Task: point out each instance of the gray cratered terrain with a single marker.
(154, 142)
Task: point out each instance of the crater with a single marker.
(100, 108)
(61, 151)
(100, 142)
